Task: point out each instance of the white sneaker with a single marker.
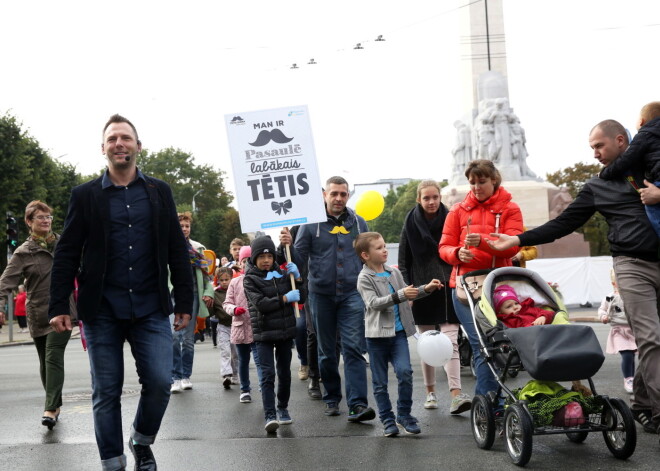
(431, 401)
(628, 384)
(235, 381)
(460, 404)
(186, 384)
(176, 386)
(245, 397)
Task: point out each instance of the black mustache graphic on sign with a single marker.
(266, 136)
(279, 207)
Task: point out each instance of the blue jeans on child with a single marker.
(244, 350)
(485, 380)
(382, 351)
(183, 346)
(275, 356)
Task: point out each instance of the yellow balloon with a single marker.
(370, 205)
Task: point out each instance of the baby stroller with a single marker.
(556, 352)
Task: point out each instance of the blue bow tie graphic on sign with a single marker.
(279, 207)
(272, 274)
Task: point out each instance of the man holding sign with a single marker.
(336, 306)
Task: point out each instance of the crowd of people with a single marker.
(126, 267)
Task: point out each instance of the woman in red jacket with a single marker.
(486, 209)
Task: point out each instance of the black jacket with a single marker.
(82, 251)
(643, 154)
(629, 233)
(272, 319)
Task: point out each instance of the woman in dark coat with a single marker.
(420, 262)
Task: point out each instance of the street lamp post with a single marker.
(194, 207)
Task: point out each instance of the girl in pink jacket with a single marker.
(236, 305)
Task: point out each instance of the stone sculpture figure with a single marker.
(463, 151)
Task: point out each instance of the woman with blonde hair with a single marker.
(33, 261)
(419, 262)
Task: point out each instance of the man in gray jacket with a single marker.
(634, 246)
(336, 306)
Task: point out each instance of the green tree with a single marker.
(27, 172)
(574, 178)
(215, 222)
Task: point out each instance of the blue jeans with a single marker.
(383, 351)
(183, 345)
(485, 380)
(150, 339)
(244, 350)
(301, 338)
(268, 364)
(343, 315)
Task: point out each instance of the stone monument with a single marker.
(491, 130)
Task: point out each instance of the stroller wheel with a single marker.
(621, 438)
(518, 431)
(482, 419)
(577, 437)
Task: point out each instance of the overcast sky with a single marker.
(176, 68)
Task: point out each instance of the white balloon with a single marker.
(434, 348)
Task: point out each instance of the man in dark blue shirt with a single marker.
(121, 235)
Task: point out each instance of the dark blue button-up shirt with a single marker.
(130, 288)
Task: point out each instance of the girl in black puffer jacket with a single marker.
(270, 299)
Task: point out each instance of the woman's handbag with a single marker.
(474, 283)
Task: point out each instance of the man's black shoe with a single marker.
(643, 416)
(361, 413)
(314, 389)
(144, 458)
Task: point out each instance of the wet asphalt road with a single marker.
(208, 429)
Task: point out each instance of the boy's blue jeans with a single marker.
(485, 380)
(382, 351)
(275, 356)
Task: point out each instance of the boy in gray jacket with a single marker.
(388, 324)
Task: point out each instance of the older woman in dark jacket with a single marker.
(420, 262)
(270, 295)
(33, 261)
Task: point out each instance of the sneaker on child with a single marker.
(176, 386)
(460, 404)
(283, 417)
(271, 424)
(361, 413)
(431, 401)
(409, 424)
(245, 397)
(331, 409)
(628, 384)
(186, 384)
(390, 429)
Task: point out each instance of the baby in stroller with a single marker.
(556, 351)
(514, 313)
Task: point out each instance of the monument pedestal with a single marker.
(534, 199)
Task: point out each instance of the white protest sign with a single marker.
(275, 172)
